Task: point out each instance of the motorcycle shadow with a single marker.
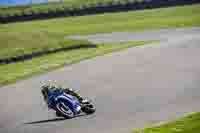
(54, 119)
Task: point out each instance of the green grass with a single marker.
(183, 16)
(59, 6)
(188, 124)
(13, 72)
(14, 44)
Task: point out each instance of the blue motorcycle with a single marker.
(65, 104)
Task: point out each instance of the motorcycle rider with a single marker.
(70, 91)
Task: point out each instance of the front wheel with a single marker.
(64, 110)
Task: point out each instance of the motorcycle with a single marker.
(66, 105)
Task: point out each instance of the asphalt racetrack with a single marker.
(133, 88)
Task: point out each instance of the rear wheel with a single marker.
(64, 110)
(89, 109)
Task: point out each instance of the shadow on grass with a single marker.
(52, 120)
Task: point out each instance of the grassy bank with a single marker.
(16, 43)
(13, 72)
(188, 124)
(58, 6)
(183, 16)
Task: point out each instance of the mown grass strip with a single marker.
(183, 16)
(12, 72)
(19, 43)
(58, 6)
(187, 124)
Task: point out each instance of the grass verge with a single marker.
(13, 72)
(15, 44)
(183, 16)
(58, 6)
(187, 124)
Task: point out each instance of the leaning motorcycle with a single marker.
(66, 105)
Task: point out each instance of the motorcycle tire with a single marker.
(88, 109)
(64, 110)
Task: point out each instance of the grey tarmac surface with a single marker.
(133, 88)
(163, 35)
